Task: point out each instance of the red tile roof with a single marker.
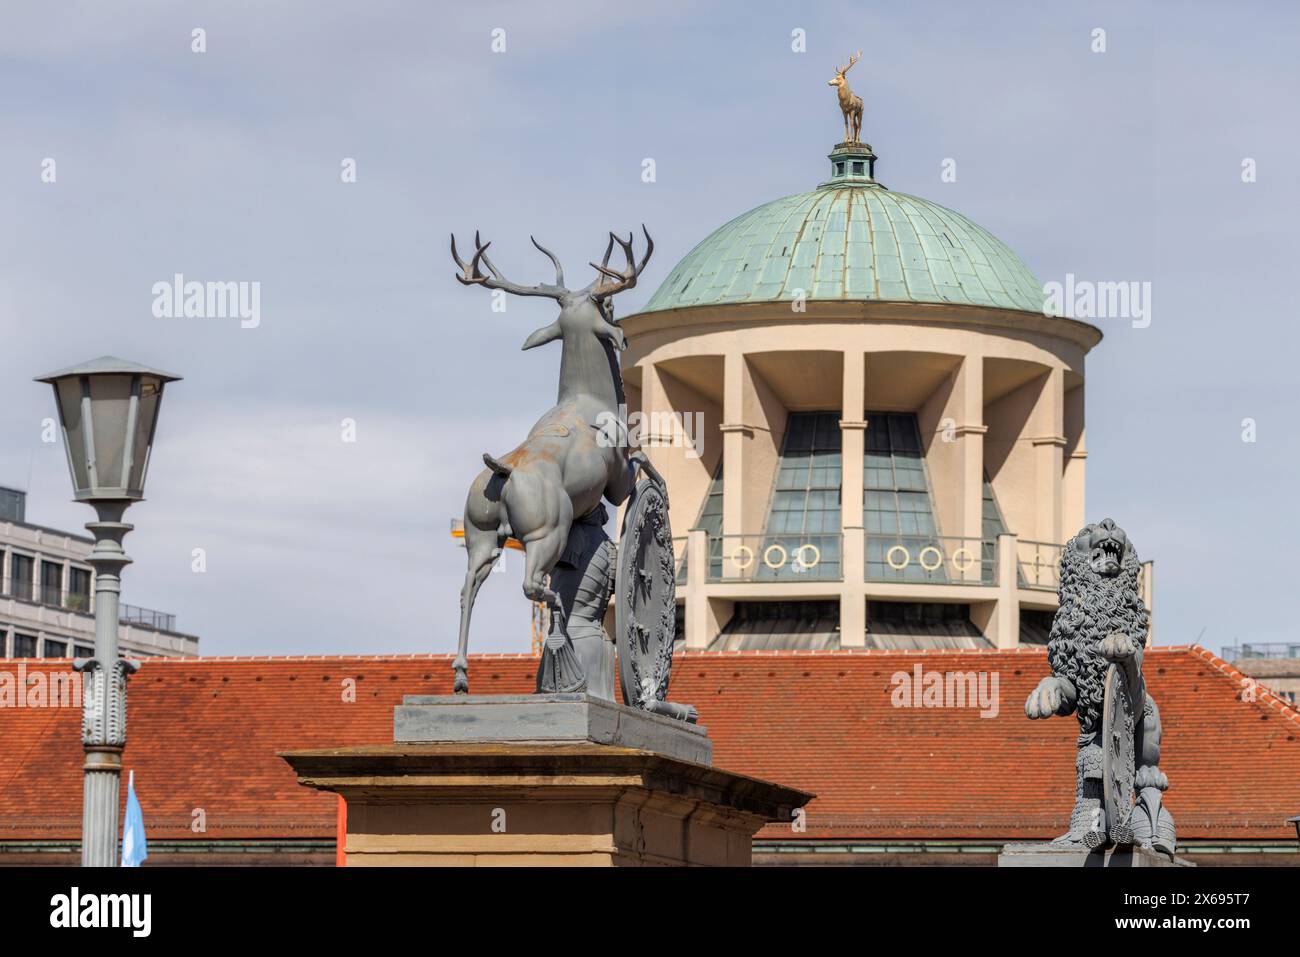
(204, 735)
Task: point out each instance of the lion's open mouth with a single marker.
(1107, 557)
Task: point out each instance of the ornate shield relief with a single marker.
(646, 613)
(1119, 756)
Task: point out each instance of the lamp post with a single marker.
(108, 410)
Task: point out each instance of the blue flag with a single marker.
(134, 847)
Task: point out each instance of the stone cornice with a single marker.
(741, 427)
(715, 316)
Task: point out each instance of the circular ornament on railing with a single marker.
(938, 556)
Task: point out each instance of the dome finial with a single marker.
(852, 164)
(852, 161)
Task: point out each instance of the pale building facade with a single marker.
(47, 596)
(1275, 664)
(872, 433)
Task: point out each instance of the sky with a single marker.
(227, 165)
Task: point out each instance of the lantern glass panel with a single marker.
(110, 398)
(146, 419)
(69, 395)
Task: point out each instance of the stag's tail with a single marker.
(499, 467)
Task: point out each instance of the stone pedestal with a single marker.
(543, 718)
(1051, 855)
(542, 780)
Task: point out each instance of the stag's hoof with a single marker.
(460, 685)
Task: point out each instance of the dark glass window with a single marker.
(21, 569)
(993, 525)
(897, 510)
(710, 521)
(923, 614)
(24, 646)
(13, 505)
(803, 521)
(55, 649)
(857, 168)
(51, 583)
(79, 588)
(81, 651)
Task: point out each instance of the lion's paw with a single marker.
(1150, 776)
(1045, 700)
(1116, 647)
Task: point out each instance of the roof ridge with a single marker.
(1193, 649)
(396, 656)
(1264, 696)
(856, 652)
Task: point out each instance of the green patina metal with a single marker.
(853, 239)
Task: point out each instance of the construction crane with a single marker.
(541, 622)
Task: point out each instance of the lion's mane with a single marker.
(1092, 607)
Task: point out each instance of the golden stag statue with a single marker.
(850, 103)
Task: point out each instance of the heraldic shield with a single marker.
(645, 616)
(1119, 755)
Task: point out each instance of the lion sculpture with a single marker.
(1102, 621)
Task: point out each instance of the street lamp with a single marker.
(108, 409)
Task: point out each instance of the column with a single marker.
(1006, 618)
(698, 633)
(952, 426)
(970, 433)
(1076, 454)
(1049, 457)
(853, 560)
(735, 438)
(657, 447)
(1148, 587)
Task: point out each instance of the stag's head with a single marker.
(585, 311)
(838, 79)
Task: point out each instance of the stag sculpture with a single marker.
(568, 463)
(850, 102)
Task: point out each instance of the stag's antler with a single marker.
(472, 275)
(852, 60)
(622, 280)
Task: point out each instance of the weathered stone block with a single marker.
(546, 718)
(1052, 855)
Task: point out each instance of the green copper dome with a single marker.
(851, 239)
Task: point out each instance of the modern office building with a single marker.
(1273, 664)
(873, 433)
(47, 596)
